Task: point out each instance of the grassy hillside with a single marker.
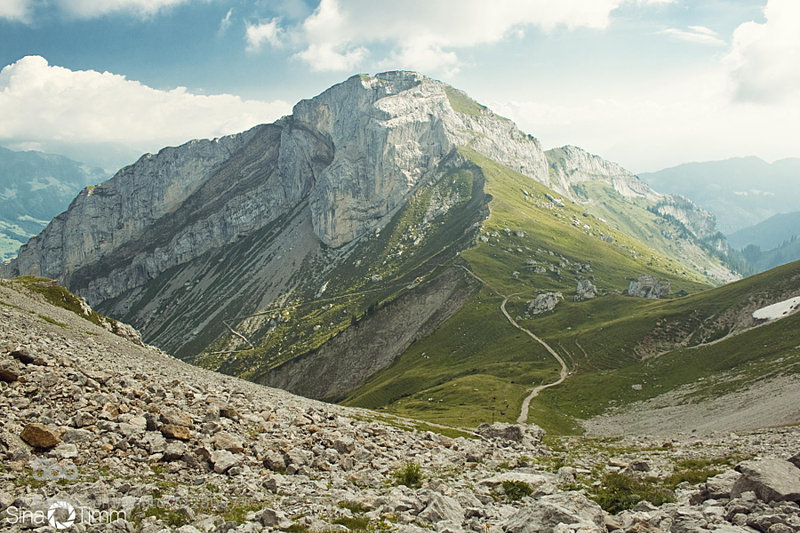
(478, 367)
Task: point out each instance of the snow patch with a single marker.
(778, 310)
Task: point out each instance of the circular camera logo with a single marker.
(59, 522)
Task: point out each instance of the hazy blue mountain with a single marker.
(768, 234)
(34, 188)
(740, 192)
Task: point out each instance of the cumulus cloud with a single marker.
(18, 10)
(427, 35)
(267, 31)
(695, 34)
(46, 105)
(765, 56)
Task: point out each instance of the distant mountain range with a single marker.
(770, 243)
(740, 192)
(34, 188)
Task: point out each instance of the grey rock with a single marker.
(9, 371)
(174, 451)
(544, 303)
(795, 460)
(65, 451)
(187, 529)
(526, 434)
(77, 436)
(721, 485)
(223, 460)
(585, 290)
(770, 479)
(274, 461)
(272, 518)
(154, 442)
(547, 513)
(226, 441)
(441, 508)
(646, 286)
(176, 418)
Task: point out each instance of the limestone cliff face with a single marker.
(390, 132)
(107, 216)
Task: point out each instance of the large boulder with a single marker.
(40, 436)
(544, 303)
(770, 479)
(526, 434)
(585, 290)
(571, 509)
(649, 287)
(442, 508)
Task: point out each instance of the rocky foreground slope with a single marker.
(101, 434)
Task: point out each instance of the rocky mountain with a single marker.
(102, 434)
(315, 253)
(34, 188)
(740, 192)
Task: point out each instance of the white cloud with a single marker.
(425, 35)
(267, 31)
(49, 105)
(695, 34)
(660, 122)
(18, 10)
(95, 8)
(764, 58)
(225, 23)
(330, 57)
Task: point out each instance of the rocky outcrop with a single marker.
(570, 166)
(544, 303)
(646, 286)
(585, 290)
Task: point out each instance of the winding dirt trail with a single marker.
(526, 403)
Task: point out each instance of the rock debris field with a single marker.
(99, 433)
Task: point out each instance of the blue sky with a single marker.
(646, 83)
